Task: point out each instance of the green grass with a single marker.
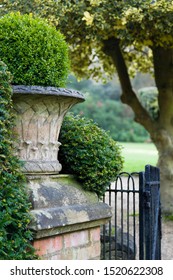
(167, 217)
(137, 155)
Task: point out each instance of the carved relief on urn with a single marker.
(40, 112)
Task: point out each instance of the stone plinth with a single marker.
(66, 219)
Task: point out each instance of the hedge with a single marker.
(15, 237)
(34, 51)
(89, 153)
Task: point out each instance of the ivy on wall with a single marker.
(15, 237)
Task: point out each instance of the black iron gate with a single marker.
(134, 231)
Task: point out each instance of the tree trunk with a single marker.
(165, 164)
(163, 141)
(160, 129)
(163, 135)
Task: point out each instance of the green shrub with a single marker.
(15, 238)
(34, 51)
(148, 97)
(89, 152)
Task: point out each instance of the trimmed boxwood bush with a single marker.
(89, 153)
(15, 238)
(34, 51)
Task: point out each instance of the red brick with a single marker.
(89, 252)
(95, 234)
(81, 245)
(48, 245)
(57, 243)
(55, 257)
(76, 239)
(83, 253)
(68, 254)
(40, 246)
(94, 251)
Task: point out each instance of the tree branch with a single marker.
(112, 48)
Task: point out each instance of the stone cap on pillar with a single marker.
(53, 221)
(61, 205)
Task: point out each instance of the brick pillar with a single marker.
(80, 245)
(66, 219)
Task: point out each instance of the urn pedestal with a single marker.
(66, 219)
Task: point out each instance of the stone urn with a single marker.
(40, 112)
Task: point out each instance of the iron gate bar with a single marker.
(154, 245)
(150, 214)
(141, 216)
(124, 191)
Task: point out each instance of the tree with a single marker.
(129, 36)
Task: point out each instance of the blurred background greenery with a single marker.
(103, 105)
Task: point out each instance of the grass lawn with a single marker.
(137, 155)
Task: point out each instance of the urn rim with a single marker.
(49, 91)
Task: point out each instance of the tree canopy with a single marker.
(138, 25)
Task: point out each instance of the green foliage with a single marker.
(34, 51)
(86, 24)
(103, 105)
(15, 237)
(168, 217)
(89, 153)
(149, 99)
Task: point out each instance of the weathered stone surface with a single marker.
(21, 89)
(58, 191)
(40, 112)
(68, 215)
(60, 204)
